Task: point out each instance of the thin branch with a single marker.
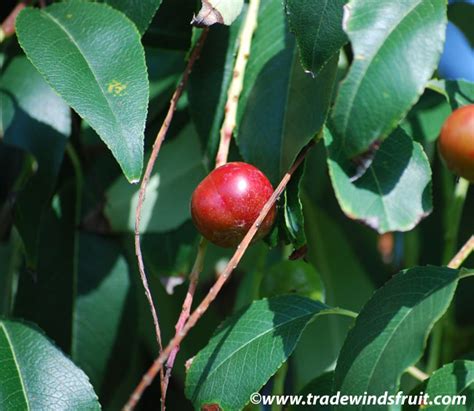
(462, 254)
(146, 177)
(417, 373)
(185, 311)
(214, 290)
(227, 129)
(237, 82)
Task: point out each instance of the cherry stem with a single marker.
(214, 290)
(146, 177)
(227, 129)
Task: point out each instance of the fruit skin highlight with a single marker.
(228, 201)
(456, 142)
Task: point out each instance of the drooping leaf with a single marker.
(34, 119)
(35, 375)
(317, 26)
(166, 207)
(394, 193)
(46, 295)
(390, 332)
(218, 11)
(455, 379)
(342, 272)
(396, 49)
(92, 56)
(248, 349)
(101, 307)
(209, 83)
(281, 107)
(139, 11)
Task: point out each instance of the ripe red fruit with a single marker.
(227, 202)
(456, 142)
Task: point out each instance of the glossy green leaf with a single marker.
(248, 349)
(209, 84)
(33, 118)
(396, 47)
(218, 11)
(35, 375)
(455, 379)
(288, 277)
(281, 107)
(394, 193)
(390, 332)
(139, 11)
(166, 207)
(317, 26)
(92, 56)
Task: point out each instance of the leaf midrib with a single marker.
(20, 375)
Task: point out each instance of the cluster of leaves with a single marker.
(358, 77)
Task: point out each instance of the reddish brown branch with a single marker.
(146, 177)
(185, 311)
(214, 291)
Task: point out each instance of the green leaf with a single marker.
(166, 208)
(209, 84)
(453, 379)
(46, 296)
(396, 48)
(293, 211)
(346, 284)
(425, 120)
(248, 349)
(218, 11)
(92, 56)
(139, 11)
(394, 193)
(288, 277)
(390, 332)
(35, 375)
(101, 307)
(281, 107)
(33, 118)
(317, 26)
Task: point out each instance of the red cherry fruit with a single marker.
(456, 142)
(227, 202)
